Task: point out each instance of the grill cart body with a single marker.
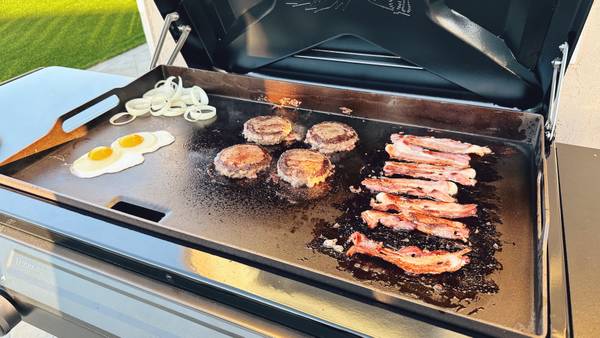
(231, 260)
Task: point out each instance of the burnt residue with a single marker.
(367, 159)
(448, 289)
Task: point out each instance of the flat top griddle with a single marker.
(267, 222)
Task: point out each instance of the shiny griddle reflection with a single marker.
(267, 218)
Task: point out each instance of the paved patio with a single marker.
(132, 63)
(24, 330)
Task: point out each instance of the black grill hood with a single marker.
(492, 51)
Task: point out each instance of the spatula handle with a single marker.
(114, 92)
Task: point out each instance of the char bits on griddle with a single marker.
(411, 227)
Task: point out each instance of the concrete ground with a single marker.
(132, 63)
(24, 330)
(579, 114)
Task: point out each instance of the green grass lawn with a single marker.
(72, 33)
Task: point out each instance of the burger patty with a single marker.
(303, 167)
(267, 130)
(242, 161)
(331, 137)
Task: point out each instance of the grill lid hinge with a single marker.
(558, 75)
(185, 32)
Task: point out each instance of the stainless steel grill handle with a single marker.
(558, 75)
(185, 32)
(9, 316)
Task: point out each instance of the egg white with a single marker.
(84, 167)
(152, 142)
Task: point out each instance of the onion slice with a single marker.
(138, 107)
(176, 108)
(178, 90)
(114, 119)
(158, 102)
(168, 98)
(200, 113)
(166, 83)
(195, 96)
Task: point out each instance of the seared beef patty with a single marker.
(242, 161)
(303, 167)
(331, 137)
(267, 130)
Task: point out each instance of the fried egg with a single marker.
(104, 160)
(143, 142)
(127, 151)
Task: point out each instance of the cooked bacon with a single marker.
(411, 259)
(394, 221)
(404, 151)
(384, 202)
(441, 191)
(445, 145)
(432, 172)
(411, 220)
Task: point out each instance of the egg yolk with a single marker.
(130, 141)
(100, 153)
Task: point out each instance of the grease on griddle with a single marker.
(301, 194)
(448, 289)
(451, 290)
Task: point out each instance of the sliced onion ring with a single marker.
(169, 98)
(178, 90)
(195, 96)
(158, 102)
(160, 111)
(176, 108)
(159, 105)
(114, 119)
(168, 82)
(138, 107)
(200, 113)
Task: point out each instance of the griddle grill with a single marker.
(256, 221)
(444, 49)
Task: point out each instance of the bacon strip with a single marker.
(445, 145)
(384, 202)
(432, 172)
(441, 191)
(403, 151)
(411, 259)
(394, 221)
(410, 221)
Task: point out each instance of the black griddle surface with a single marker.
(265, 217)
